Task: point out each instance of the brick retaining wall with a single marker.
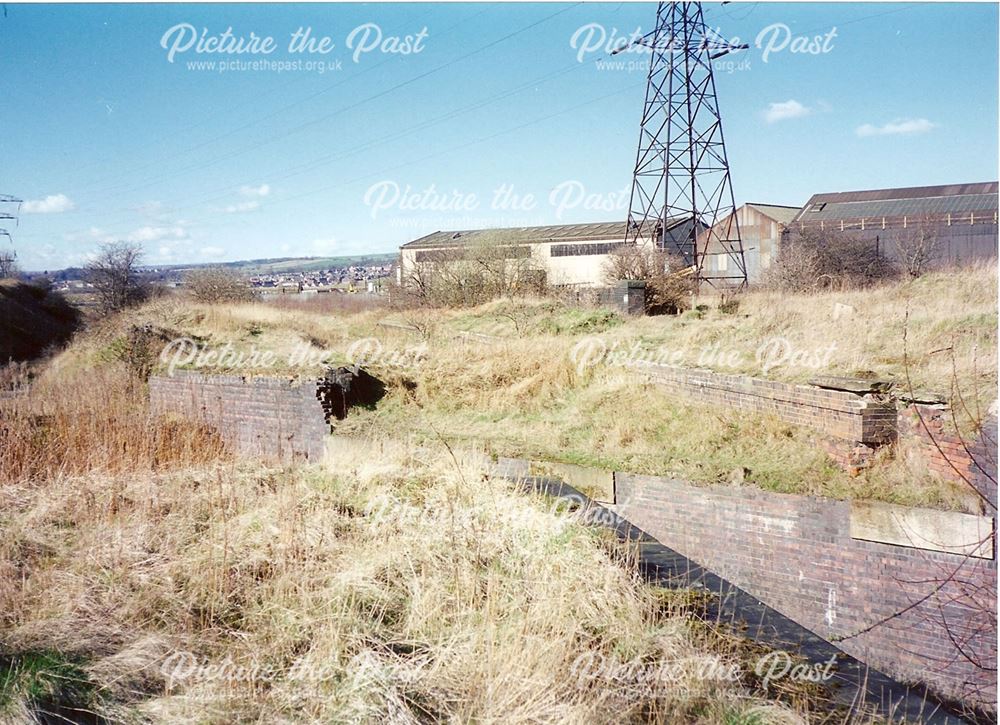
(797, 554)
(851, 426)
(837, 413)
(267, 417)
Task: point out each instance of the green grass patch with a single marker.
(45, 681)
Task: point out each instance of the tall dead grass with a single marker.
(394, 585)
(330, 303)
(97, 420)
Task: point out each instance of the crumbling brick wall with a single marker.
(929, 433)
(850, 426)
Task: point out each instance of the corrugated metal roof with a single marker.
(781, 214)
(912, 201)
(596, 231)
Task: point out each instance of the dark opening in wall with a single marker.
(346, 387)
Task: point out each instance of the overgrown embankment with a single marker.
(33, 319)
(543, 379)
(391, 585)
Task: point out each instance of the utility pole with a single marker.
(682, 194)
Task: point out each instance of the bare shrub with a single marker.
(815, 259)
(116, 277)
(218, 284)
(8, 264)
(472, 275)
(729, 304)
(916, 247)
(669, 288)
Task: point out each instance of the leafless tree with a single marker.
(8, 264)
(116, 277)
(218, 284)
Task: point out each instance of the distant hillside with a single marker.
(249, 266)
(32, 318)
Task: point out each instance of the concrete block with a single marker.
(946, 531)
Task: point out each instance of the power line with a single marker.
(326, 117)
(444, 152)
(7, 199)
(316, 163)
(454, 149)
(255, 103)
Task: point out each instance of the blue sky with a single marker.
(105, 138)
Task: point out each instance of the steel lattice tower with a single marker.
(8, 199)
(682, 195)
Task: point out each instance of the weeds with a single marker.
(393, 584)
(94, 421)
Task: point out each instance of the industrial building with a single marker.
(762, 227)
(959, 220)
(569, 254)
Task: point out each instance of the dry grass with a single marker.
(518, 399)
(93, 421)
(393, 583)
(949, 320)
(392, 586)
(523, 395)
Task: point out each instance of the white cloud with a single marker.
(261, 191)
(899, 127)
(87, 235)
(242, 207)
(784, 110)
(212, 251)
(53, 204)
(155, 234)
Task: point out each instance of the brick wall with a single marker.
(796, 554)
(851, 426)
(927, 432)
(835, 413)
(266, 417)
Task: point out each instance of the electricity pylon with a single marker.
(682, 195)
(8, 199)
